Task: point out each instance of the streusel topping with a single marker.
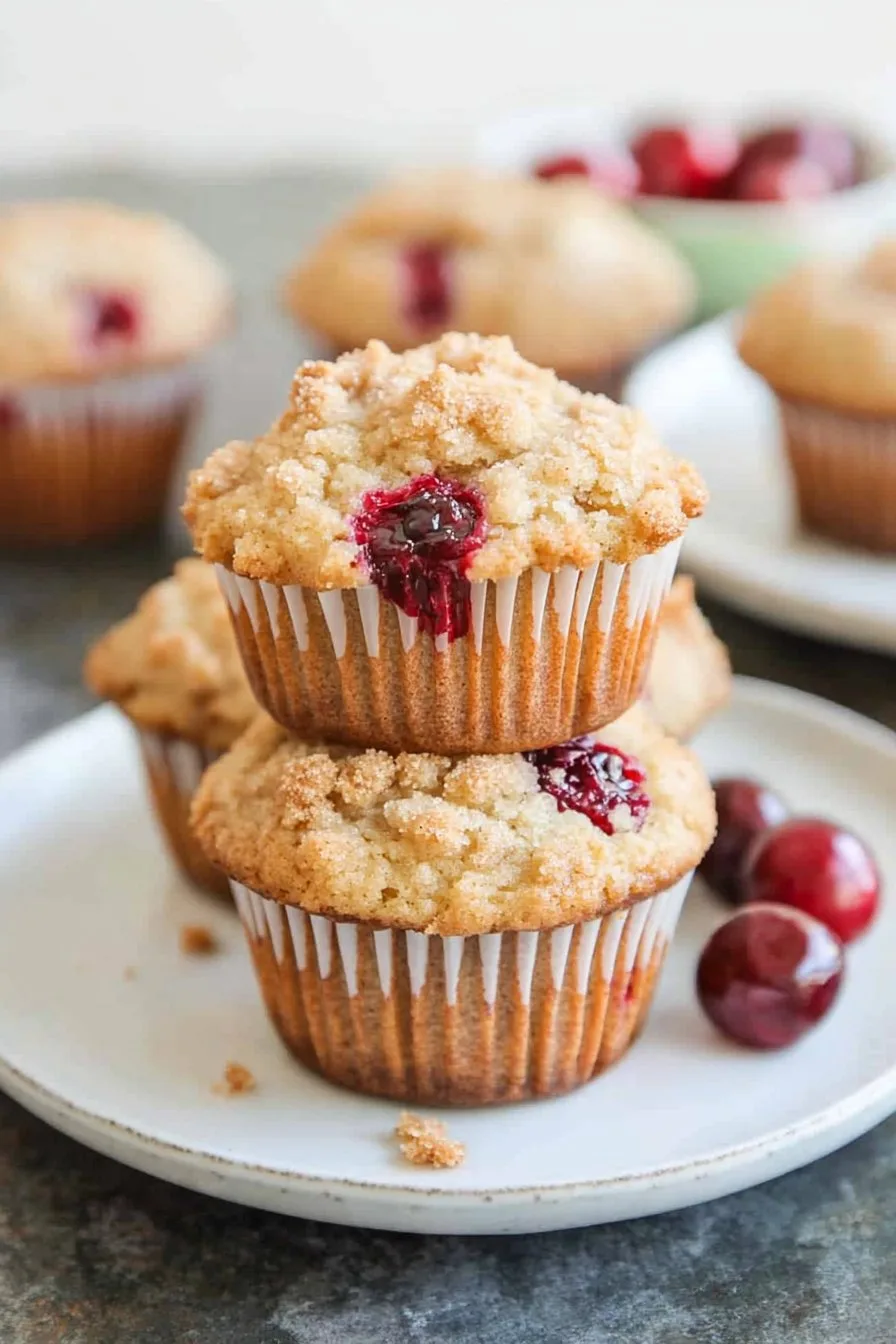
(444, 846)
(566, 477)
(827, 333)
(88, 288)
(173, 666)
(573, 278)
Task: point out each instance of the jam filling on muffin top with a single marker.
(109, 316)
(594, 779)
(417, 542)
(427, 299)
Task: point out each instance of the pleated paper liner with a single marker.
(174, 767)
(88, 462)
(468, 1021)
(844, 473)
(548, 656)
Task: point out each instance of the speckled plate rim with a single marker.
(497, 1210)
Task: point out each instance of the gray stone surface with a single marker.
(91, 1253)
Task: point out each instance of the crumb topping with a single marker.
(690, 672)
(566, 477)
(197, 940)
(576, 280)
(440, 845)
(827, 333)
(90, 288)
(237, 1081)
(172, 666)
(425, 1143)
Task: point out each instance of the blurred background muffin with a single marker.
(103, 316)
(576, 281)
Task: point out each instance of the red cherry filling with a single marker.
(594, 779)
(416, 542)
(110, 317)
(819, 868)
(768, 975)
(427, 277)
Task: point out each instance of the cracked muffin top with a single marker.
(172, 666)
(537, 472)
(573, 278)
(458, 846)
(827, 333)
(88, 288)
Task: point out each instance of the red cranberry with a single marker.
(685, 160)
(593, 778)
(782, 179)
(427, 304)
(769, 974)
(745, 808)
(612, 170)
(416, 542)
(817, 867)
(110, 317)
(824, 143)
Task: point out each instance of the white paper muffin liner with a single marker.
(88, 461)
(548, 656)
(844, 473)
(174, 767)
(458, 1020)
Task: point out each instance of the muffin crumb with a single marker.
(424, 1143)
(237, 1080)
(197, 940)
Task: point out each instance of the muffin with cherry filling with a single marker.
(573, 278)
(824, 339)
(472, 930)
(173, 670)
(689, 677)
(448, 549)
(103, 315)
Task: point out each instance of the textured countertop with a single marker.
(91, 1253)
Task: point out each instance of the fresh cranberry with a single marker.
(416, 542)
(817, 867)
(612, 170)
(593, 778)
(745, 808)
(691, 161)
(782, 179)
(769, 974)
(427, 304)
(110, 317)
(823, 143)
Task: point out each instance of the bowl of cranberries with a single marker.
(743, 202)
(802, 889)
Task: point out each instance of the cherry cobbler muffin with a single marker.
(173, 669)
(467, 930)
(574, 279)
(824, 339)
(447, 549)
(103, 314)
(689, 677)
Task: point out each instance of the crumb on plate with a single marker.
(424, 1143)
(130, 973)
(237, 1080)
(197, 940)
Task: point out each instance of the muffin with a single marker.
(473, 930)
(173, 669)
(577, 282)
(689, 677)
(447, 550)
(103, 316)
(824, 339)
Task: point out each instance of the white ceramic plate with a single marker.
(127, 1065)
(748, 550)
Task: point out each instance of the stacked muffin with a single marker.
(440, 565)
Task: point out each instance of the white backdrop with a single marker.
(350, 79)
